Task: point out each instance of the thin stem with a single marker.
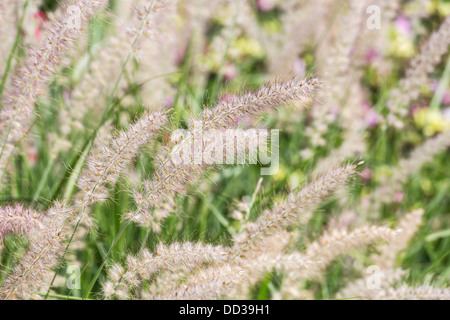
(59, 296)
(109, 104)
(62, 258)
(99, 270)
(13, 49)
(440, 90)
(44, 179)
(224, 57)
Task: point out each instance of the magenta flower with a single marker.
(41, 18)
(371, 56)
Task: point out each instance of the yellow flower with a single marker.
(281, 174)
(249, 47)
(402, 46)
(426, 186)
(430, 121)
(443, 8)
(383, 171)
(272, 26)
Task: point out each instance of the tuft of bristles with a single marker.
(288, 211)
(211, 283)
(417, 74)
(30, 82)
(336, 242)
(33, 271)
(104, 167)
(19, 220)
(414, 293)
(174, 259)
(408, 225)
(228, 113)
(155, 202)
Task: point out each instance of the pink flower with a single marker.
(300, 68)
(398, 197)
(265, 5)
(434, 85)
(403, 25)
(41, 18)
(33, 157)
(230, 71)
(446, 98)
(372, 118)
(168, 101)
(371, 56)
(366, 174)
